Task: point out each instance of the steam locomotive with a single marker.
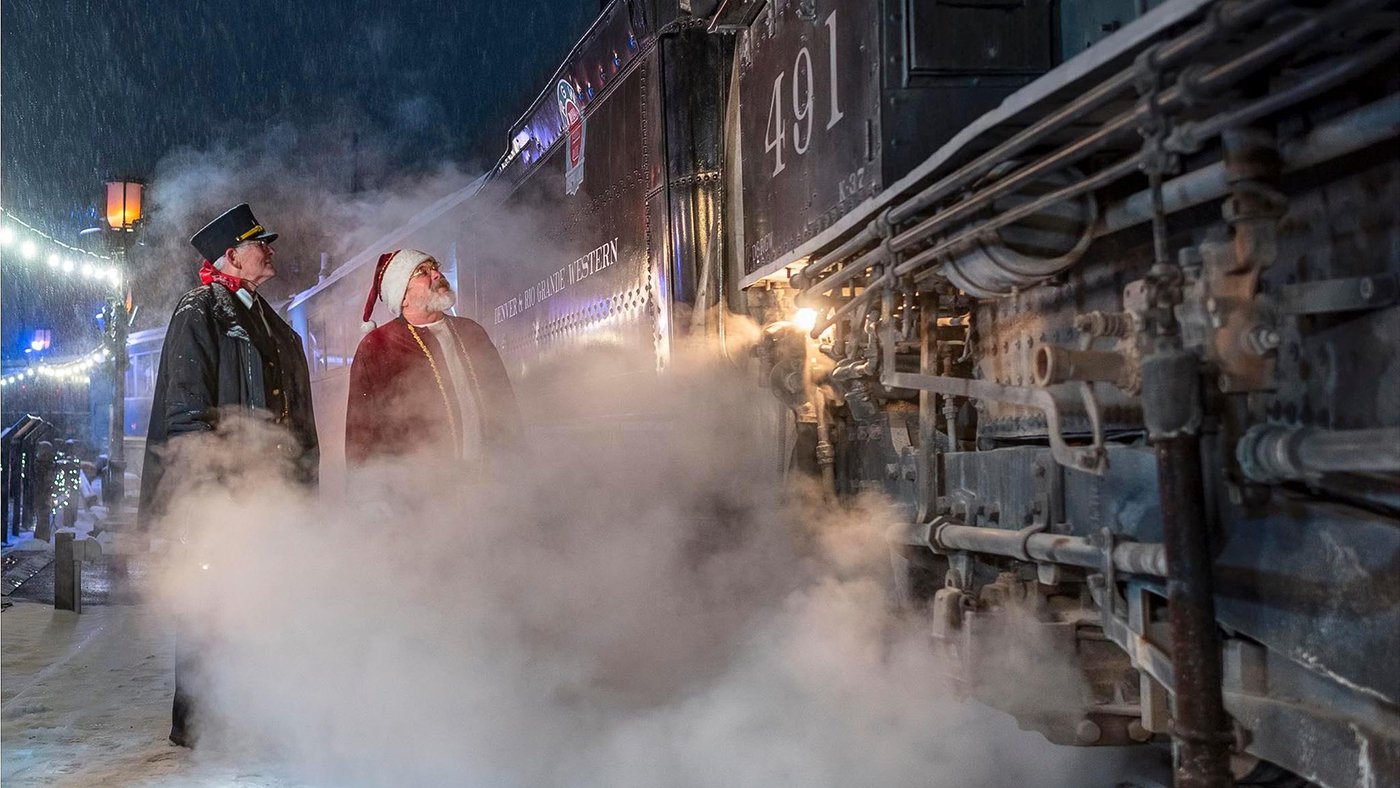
(1101, 293)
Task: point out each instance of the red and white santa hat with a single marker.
(391, 275)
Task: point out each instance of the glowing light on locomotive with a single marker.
(805, 319)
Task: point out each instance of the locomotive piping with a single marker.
(1357, 130)
(1226, 17)
(948, 535)
(1171, 99)
(1213, 81)
(1271, 453)
(1229, 17)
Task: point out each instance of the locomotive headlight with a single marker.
(805, 319)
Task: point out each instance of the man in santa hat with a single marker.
(426, 382)
(226, 352)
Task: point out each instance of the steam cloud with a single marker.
(324, 188)
(625, 606)
(640, 601)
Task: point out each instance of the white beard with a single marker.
(439, 301)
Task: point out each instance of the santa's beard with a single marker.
(442, 300)
(438, 301)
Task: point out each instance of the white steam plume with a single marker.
(323, 188)
(623, 607)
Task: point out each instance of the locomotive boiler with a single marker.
(1103, 295)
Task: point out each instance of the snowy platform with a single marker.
(86, 702)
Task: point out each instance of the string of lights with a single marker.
(77, 371)
(32, 244)
(66, 484)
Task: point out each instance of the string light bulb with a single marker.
(59, 255)
(78, 371)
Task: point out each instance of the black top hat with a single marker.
(236, 226)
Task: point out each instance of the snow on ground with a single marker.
(86, 702)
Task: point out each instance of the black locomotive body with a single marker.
(1103, 296)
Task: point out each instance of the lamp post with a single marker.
(122, 213)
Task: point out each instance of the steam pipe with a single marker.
(906, 328)
(1170, 53)
(1055, 364)
(1131, 557)
(871, 290)
(804, 277)
(1279, 452)
(1097, 180)
(855, 269)
(1231, 15)
(1324, 78)
(1354, 131)
(1114, 172)
(826, 453)
(1212, 81)
(1172, 411)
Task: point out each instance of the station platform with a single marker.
(85, 697)
(86, 702)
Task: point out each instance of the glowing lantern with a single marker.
(123, 204)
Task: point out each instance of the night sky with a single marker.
(376, 91)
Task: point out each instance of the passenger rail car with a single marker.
(1101, 294)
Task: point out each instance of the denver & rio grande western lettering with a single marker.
(576, 271)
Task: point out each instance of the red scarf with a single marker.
(208, 274)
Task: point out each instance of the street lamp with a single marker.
(123, 205)
(122, 211)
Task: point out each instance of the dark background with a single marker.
(322, 100)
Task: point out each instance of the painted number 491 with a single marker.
(802, 100)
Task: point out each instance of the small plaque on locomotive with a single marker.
(809, 121)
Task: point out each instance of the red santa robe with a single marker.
(398, 406)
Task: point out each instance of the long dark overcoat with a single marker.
(220, 358)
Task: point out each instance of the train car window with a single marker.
(337, 350)
(146, 378)
(316, 327)
(140, 375)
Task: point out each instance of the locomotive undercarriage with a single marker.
(1129, 373)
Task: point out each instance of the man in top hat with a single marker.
(425, 383)
(226, 352)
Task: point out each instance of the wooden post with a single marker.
(68, 572)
